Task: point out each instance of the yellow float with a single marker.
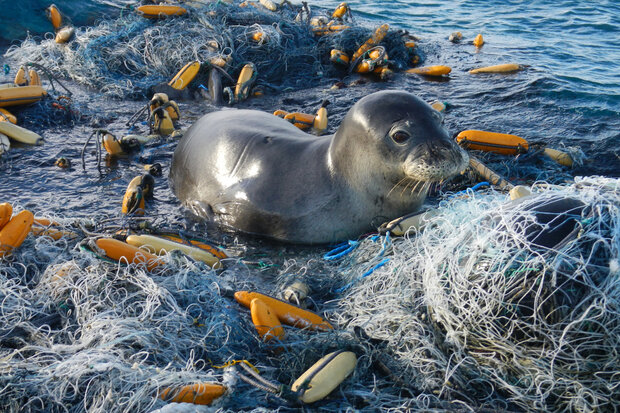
(286, 313)
(182, 79)
(64, 35)
(438, 70)
(216, 252)
(139, 188)
(53, 14)
(20, 77)
(267, 324)
(478, 41)
(269, 5)
(503, 68)
(502, 143)
(34, 78)
(201, 393)
(324, 376)
(6, 212)
(13, 234)
(560, 157)
(160, 11)
(339, 57)
(157, 245)
(20, 134)
(14, 96)
(374, 40)
(341, 11)
(305, 121)
(118, 250)
(6, 116)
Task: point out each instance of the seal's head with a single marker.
(400, 140)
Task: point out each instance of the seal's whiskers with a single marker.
(403, 180)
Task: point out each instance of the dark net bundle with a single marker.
(124, 57)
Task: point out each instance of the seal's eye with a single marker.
(400, 136)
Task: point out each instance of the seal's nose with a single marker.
(435, 149)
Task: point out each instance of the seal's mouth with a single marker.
(435, 162)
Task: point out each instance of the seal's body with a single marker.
(259, 174)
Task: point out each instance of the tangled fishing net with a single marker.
(487, 307)
(493, 305)
(126, 56)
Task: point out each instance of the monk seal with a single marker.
(257, 173)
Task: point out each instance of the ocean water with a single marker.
(568, 97)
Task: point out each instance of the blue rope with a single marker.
(473, 188)
(366, 274)
(341, 250)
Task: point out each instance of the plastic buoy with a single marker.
(182, 79)
(139, 188)
(296, 292)
(375, 57)
(438, 70)
(242, 89)
(560, 157)
(341, 10)
(339, 57)
(13, 234)
(6, 116)
(14, 96)
(213, 250)
(519, 191)
(53, 233)
(502, 143)
(53, 14)
(320, 120)
(156, 245)
(20, 77)
(286, 313)
(162, 123)
(503, 68)
(478, 41)
(20, 134)
(219, 61)
(264, 318)
(160, 11)
(64, 35)
(35, 80)
(269, 5)
(324, 376)
(455, 37)
(118, 250)
(63, 163)
(201, 393)
(111, 144)
(6, 212)
(438, 106)
(374, 40)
